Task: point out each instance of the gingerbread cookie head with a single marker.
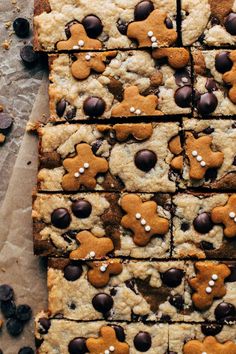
(177, 58)
(201, 156)
(100, 273)
(107, 343)
(91, 247)
(209, 346)
(153, 31)
(142, 219)
(135, 104)
(230, 77)
(208, 283)
(79, 40)
(83, 169)
(226, 215)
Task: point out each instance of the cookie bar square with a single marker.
(99, 336)
(214, 80)
(103, 24)
(210, 152)
(96, 225)
(210, 294)
(205, 338)
(116, 290)
(215, 25)
(202, 226)
(120, 84)
(131, 157)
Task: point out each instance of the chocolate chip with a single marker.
(177, 301)
(165, 318)
(225, 311)
(6, 292)
(234, 161)
(29, 56)
(71, 113)
(169, 23)
(61, 107)
(122, 27)
(232, 277)
(78, 346)
(45, 324)
(6, 122)
(143, 10)
(208, 130)
(143, 341)
(81, 208)
(96, 145)
(102, 303)
(230, 23)
(172, 277)
(211, 174)
(145, 160)
(61, 218)
(14, 327)
(211, 329)
(185, 226)
(120, 333)
(93, 26)
(8, 308)
(68, 26)
(94, 106)
(211, 85)
(207, 103)
(223, 62)
(182, 77)
(26, 350)
(23, 312)
(21, 27)
(73, 272)
(183, 96)
(202, 223)
(215, 21)
(208, 246)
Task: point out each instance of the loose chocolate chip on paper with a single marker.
(14, 327)
(29, 56)
(73, 272)
(183, 97)
(21, 27)
(202, 223)
(172, 277)
(93, 26)
(145, 160)
(207, 103)
(81, 209)
(26, 350)
(94, 106)
(143, 10)
(143, 341)
(61, 218)
(102, 303)
(45, 324)
(230, 23)
(6, 122)
(225, 311)
(78, 346)
(211, 329)
(23, 312)
(223, 62)
(8, 308)
(61, 107)
(6, 292)
(120, 333)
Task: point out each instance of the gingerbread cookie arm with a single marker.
(227, 216)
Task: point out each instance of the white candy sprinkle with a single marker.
(234, 219)
(92, 254)
(194, 153)
(87, 57)
(147, 228)
(153, 39)
(86, 165)
(75, 47)
(112, 349)
(132, 109)
(211, 283)
(232, 215)
(81, 43)
(143, 222)
(138, 112)
(81, 170)
(103, 268)
(154, 45)
(214, 277)
(199, 158)
(204, 352)
(203, 163)
(107, 352)
(208, 290)
(76, 174)
(138, 216)
(150, 34)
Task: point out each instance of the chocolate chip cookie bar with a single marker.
(215, 25)
(210, 293)
(204, 225)
(116, 290)
(96, 225)
(207, 338)
(120, 84)
(104, 24)
(131, 157)
(214, 82)
(210, 152)
(99, 337)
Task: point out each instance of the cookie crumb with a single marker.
(6, 44)
(2, 138)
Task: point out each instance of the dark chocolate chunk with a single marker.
(93, 26)
(78, 346)
(29, 56)
(120, 333)
(225, 311)
(71, 113)
(61, 218)
(177, 301)
(165, 318)
(21, 27)
(143, 341)
(182, 77)
(169, 23)
(26, 350)
(122, 27)
(185, 226)
(207, 103)
(230, 23)
(61, 107)
(45, 324)
(14, 327)
(208, 130)
(211, 85)
(94, 107)
(183, 96)
(6, 122)
(6, 292)
(202, 223)
(232, 277)
(23, 312)
(81, 208)
(215, 21)
(73, 272)
(96, 145)
(172, 277)
(223, 62)
(211, 329)
(102, 303)
(143, 10)
(208, 246)
(145, 160)
(211, 174)
(8, 308)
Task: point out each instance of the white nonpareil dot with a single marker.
(107, 352)
(92, 254)
(204, 352)
(138, 112)
(211, 283)
(76, 174)
(214, 277)
(203, 163)
(232, 215)
(86, 165)
(81, 43)
(199, 158)
(81, 170)
(103, 268)
(194, 153)
(87, 57)
(75, 47)
(132, 109)
(143, 222)
(153, 39)
(234, 219)
(138, 216)
(208, 290)
(150, 34)
(154, 45)
(112, 349)
(147, 228)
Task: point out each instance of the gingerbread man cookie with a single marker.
(152, 32)
(100, 272)
(91, 246)
(209, 283)
(135, 104)
(79, 40)
(176, 149)
(230, 77)
(83, 169)
(209, 346)
(226, 215)
(142, 219)
(123, 131)
(107, 343)
(177, 57)
(86, 62)
(201, 156)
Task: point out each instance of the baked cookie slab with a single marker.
(214, 82)
(210, 152)
(215, 25)
(97, 225)
(120, 84)
(112, 158)
(204, 226)
(104, 24)
(116, 290)
(205, 338)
